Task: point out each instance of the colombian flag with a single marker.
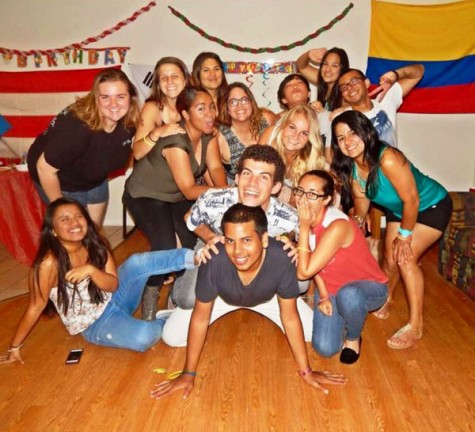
(442, 38)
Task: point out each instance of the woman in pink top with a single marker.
(349, 281)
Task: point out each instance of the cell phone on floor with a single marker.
(74, 356)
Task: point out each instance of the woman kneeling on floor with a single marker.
(349, 281)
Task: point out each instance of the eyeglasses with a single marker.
(310, 195)
(235, 102)
(351, 83)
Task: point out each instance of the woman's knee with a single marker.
(324, 347)
(146, 338)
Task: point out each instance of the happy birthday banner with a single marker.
(74, 53)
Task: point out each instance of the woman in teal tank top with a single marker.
(417, 209)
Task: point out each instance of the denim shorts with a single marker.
(97, 195)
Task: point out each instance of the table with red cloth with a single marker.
(21, 215)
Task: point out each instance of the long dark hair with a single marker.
(96, 246)
(196, 72)
(343, 165)
(334, 98)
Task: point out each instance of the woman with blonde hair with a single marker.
(297, 140)
(159, 117)
(85, 143)
(241, 124)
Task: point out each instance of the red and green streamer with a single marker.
(240, 48)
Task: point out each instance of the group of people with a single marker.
(248, 208)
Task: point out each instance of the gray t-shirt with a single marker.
(219, 277)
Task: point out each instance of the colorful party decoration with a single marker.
(225, 44)
(243, 67)
(441, 37)
(78, 47)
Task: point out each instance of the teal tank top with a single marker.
(430, 191)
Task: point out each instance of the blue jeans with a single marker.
(350, 309)
(97, 195)
(116, 327)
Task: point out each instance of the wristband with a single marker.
(396, 73)
(404, 232)
(14, 348)
(148, 141)
(185, 372)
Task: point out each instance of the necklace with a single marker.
(359, 179)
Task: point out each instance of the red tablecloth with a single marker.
(21, 215)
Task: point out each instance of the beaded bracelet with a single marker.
(400, 237)
(359, 220)
(307, 371)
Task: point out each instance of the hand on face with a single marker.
(305, 212)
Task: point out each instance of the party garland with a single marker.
(105, 33)
(225, 44)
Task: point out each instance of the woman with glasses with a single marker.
(297, 140)
(417, 209)
(241, 124)
(350, 283)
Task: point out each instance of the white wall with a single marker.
(441, 145)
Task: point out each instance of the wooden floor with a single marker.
(247, 379)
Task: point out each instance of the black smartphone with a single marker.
(74, 356)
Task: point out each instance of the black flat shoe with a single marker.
(349, 356)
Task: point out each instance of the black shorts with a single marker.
(436, 216)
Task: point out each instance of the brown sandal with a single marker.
(405, 337)
(384, 311)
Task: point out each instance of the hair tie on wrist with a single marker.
(185, 372)
(396, 73)
(307, 371)
(151, 139)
